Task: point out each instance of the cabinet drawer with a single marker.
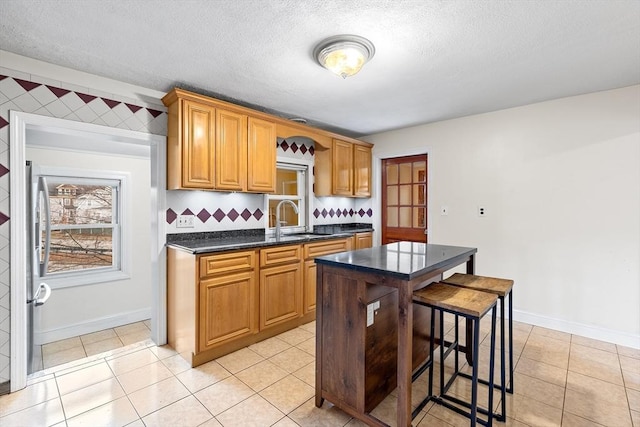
(312, 250)
(280, 255)
(227, 263)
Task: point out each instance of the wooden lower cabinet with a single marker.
(363, 240)
(227, 309)
(280, 294)
(219, 303)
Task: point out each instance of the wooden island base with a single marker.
(369, 335)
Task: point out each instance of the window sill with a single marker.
(93, 278)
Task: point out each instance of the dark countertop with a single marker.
(198, 243)
(404, 260)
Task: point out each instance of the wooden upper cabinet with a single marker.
(261, 157)
(361, 171)
(217, 145)
(191, 147)
(342, 168)
(231, 151)
(214, 145)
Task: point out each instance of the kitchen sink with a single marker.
(305, 235)
(292, 237)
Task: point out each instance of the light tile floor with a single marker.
(70, 349)
(560, 380)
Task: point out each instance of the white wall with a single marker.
(89, 308)
(561, 184)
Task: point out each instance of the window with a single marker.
(85, 217)
(292, 183)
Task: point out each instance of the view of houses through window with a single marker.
(84, 223)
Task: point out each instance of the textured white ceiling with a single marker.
(434, 60)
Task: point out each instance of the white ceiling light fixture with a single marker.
(344, 55)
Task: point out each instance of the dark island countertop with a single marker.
(220, 241)
(404, 260)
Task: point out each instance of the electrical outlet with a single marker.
(185, 221)
(482, 211)
(444, 210)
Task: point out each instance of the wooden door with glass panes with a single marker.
(404, 199)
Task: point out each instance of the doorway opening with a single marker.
(69, 138)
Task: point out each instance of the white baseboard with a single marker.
(94, 325)
(589, 331)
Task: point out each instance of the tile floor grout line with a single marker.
(575, 348)
(624, 385)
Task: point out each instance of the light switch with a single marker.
(371, 312)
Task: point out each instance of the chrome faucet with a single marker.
(295, 208)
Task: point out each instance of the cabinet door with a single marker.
(231, 151)
(363, 240)
(280, 294)
(361, 171)
(309, 286)
(261, 160)
(342, 168)
(227, 309)
(198, 136)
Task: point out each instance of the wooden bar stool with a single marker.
(472, 305)
(502, 288)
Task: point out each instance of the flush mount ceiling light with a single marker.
(344, 55)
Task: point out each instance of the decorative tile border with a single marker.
(342, 212)
(294, 147)
(218, 215)
(48, 100)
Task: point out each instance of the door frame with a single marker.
(378, 156)
(408, 232)
(19, 122)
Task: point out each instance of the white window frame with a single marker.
(121, 266)
(305, 201)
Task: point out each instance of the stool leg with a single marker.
(510, 388)
(503, 383)
(474, 376)
(442, 345)
(492, 368)
(457, 340)
(431, 340)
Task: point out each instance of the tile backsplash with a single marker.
(219, 211)
(214, 211)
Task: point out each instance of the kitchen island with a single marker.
(365, 328)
